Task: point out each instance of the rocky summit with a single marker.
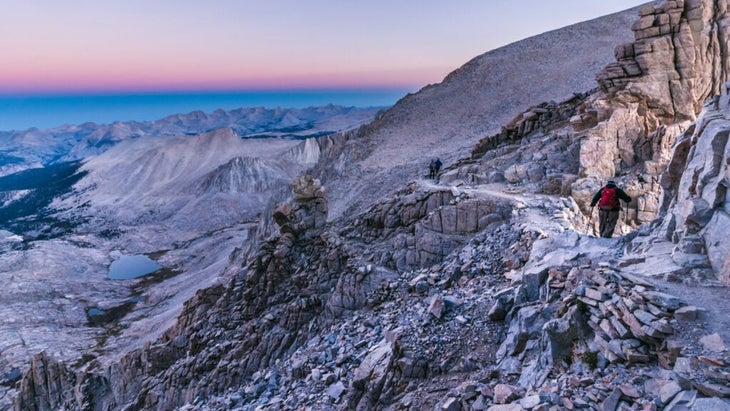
(485, 289)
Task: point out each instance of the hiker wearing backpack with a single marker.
(437, 167)
(433, 168)
(609, 206)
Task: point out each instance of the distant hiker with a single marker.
(609, 206)
(433, 168)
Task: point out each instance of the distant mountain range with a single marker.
(34, 147)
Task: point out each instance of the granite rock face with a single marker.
(697, 203)
(653, 92)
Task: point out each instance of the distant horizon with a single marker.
(211, 91)
(45, 111)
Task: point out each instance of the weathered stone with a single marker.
(715, 362)
(595, 294)
(713, 342)
(480, 404)
(532, 283)
(616, 348)
(674, 346)
(412, 368)
(634, 324)
(504, 393)
(635, 357)
(505, 407)
(452, 302)
(629, 391)
(712, 389)
(336, 390)
(451, 404)
(687, 313)
(684, 365)
(373, 369)
(611, 402)
(644, 317)
(643, 23)
(589, 301)
(503, 302)
(668, 390)
(710, 404)
(560, 333)
(716, 239)
(620, 328)
(608, 329)
(662, 326)
(673, 83)
(683, 400)
(436, 306)
(529, 402)
(652, 332)
(527, 325)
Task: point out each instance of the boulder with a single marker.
(713, 343)
(504, 393)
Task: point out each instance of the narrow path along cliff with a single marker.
(646, 260)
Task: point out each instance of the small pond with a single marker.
(127, 267)
(93, 312)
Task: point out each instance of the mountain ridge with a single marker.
(36, 148)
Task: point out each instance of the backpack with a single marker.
(609, 199)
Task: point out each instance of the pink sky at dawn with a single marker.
(50, 46)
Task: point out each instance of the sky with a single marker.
(92, 46)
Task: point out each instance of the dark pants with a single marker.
(433, 172)
(607, 222)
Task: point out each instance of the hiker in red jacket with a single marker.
(609, 206)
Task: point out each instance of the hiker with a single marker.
(433, 168)
(437, 167)
(609, 206)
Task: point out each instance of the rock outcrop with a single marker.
(422, 225)
(652, 93)
(697, 202)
